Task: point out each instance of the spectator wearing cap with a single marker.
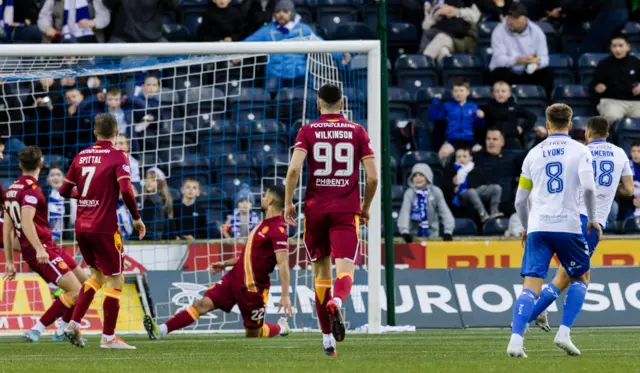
(80, 21)
(449, 27)
(520, 54)
(157, 204)
(221, 22)
(20, 21)
(285, 70)
(139, 21)
(244, 219)
(257, 13)
(616, 82)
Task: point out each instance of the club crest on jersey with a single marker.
(62, 265)
(265, 230)
(126, 168)
(31, 199)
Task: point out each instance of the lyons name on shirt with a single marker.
(324, 135)
(552, 152)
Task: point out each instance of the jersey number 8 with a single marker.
(343, 152)
(554, 172)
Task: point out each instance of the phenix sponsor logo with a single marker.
(88, 202)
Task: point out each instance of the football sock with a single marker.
(59, 306)
(548, 296)
(522, 311)
(39, 326)
(270, 330)
(181, 319)
(573, 302)
(323, 295)
(163, 330)
(111, 308)
(85, 298)
(342, 287)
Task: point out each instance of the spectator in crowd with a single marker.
(449, 27)
(139, 21)
(147, 104)
(157, 204)
(504, 113)
(122, 143)
(424, 207)
(61, 212)
(470, 187)
(244, 219)
(257, 13)
(221, 22)
(501, 168)
(520, 54)
(19, 19)
(114, 107)
(616, 82)
(189, 216)
(635, 167)
(285, 70)
(71, 129)
(81, 21)
(462, 118)
(493, 10)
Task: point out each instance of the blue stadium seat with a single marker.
(631, 225)
(532, 97)
(397, 194)
(587, 66)
(465, 65)
(550, 33)
(415, 71)
(331, 18)
(175, 33)
(195, 3)
(465, 227)
(399, 103)
(352, 31)
(481, 94)
(192, 21)
(626, 131)
(495, 227)
(485, 29)
(204, 100)
(577, 96)
(402, 39)
(485, 54)
(305, 13)
(632, 31)
(562, 66)
(369, 15)
(578, 127)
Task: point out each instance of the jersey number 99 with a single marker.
(324, 152)
(554, 172)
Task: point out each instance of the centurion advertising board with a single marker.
(453, 298)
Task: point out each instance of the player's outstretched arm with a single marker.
(371, 185)
(29, 230)
(293, 175)
(68, 189)
(220, 266)
(282, 258)
(589, 196)
(7, 235)
(626, 187)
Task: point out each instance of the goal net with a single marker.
(208, 128)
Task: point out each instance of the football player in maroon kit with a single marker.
(26, 215)
(332, 209)
(247, 283)
(97, 177)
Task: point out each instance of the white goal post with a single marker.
(47, 55)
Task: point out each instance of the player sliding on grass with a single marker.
(611, 165)
(247, 283)
(556, 174)
(26, 214)
(332, 209)
(97, 177)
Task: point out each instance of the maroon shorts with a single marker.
(335, 234)
(102, 251)
(224, 296)
(59, 264)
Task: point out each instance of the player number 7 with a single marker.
(89, 171)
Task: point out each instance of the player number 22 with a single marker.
(89, 172)
(257, 315)
(324, 152)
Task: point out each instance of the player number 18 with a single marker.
(324, 152)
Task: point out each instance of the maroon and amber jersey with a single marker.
(25, 193)
(95, 172)
(335, 147)
(258, 259)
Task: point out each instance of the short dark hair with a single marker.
(55, 165)
(460, 82)
(464, 148)
(598, 126)
(330, 93)
(190, 179)
(635, 143)
(105, 125)
(517, 10)
(619, 36)
(495, 129)
(113, 90)
(30, 158)
(559, 115)
(278, 192)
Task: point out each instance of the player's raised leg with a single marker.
(87, 293)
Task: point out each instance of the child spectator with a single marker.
(470, 186)
(462, 118)
(424, 207)
(504, 113)
(122, 143)
(221, 22)
(157, 204)
(190, 217)
(60, 210)
(114, 107)
(244, 219)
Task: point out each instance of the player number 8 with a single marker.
(555, 183)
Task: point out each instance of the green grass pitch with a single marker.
(605, 350)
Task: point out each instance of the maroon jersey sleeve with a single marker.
(365, 145)
(123, 168)
(279, 238)
(72, 174)
(302, 142)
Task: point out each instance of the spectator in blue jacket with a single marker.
(462, 118)
(285, 70)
